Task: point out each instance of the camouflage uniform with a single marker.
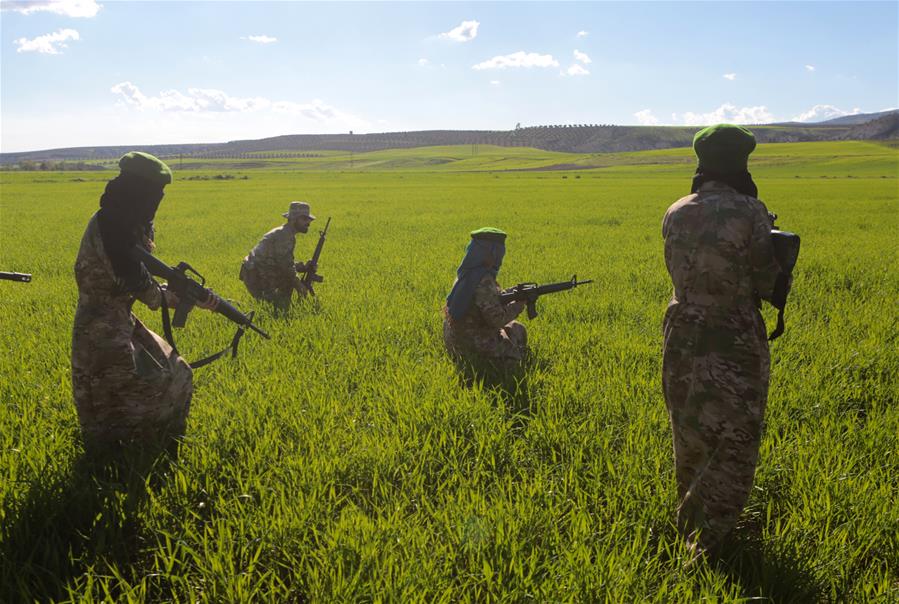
(487, 331)
(716, 364)
(127, 382)
(269, 271)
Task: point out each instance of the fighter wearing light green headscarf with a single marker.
(130, 386)
(715, 369)
(477, 326)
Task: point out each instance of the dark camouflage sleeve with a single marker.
(486, 299)
(763, 264)
(151, 295)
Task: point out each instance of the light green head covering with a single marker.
(724, 148)
(489, 233)
(146, 166)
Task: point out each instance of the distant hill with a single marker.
(581, 138)
(860, 118)
(883, 128)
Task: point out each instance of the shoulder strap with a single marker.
(170, 338)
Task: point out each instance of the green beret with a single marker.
(489, 233)
(723, 148)
(146, 166)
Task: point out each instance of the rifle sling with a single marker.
(779, 300)
(170, 338)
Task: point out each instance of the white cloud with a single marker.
(495, 82)
(67, 8)
(576, 70)
(517, 59)
(209, 101)
(646, 118)
(731, 114)
(196, 100)
(423, 62)
(465, 32)
(263, 39)
(823, 112)
(730, 76)
(48, 44)
(583, 34)
(810, 68)
(582, 57)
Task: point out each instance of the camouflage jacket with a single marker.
(102, 335)
(486, 314)
(718, 248)
(272, 258)
(101, 294)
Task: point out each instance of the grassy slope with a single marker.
(343, 460)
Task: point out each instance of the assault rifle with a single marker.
(190, 293)
(20, 277)
(786, 252)
(310, 269)
(529, 292)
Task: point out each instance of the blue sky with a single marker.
(80, 72)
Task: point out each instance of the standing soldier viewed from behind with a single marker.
(129, 385)
(719, 254)
(477, 326)
(269, 271)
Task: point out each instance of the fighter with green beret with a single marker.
(146, 166)
(477, 327)
(715, 366)
(130, 386)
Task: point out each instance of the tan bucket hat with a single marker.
(298, 209)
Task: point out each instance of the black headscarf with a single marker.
(127, 208)
(741, 181)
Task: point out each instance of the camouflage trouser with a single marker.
(506, 346)
(260, 287)
(141, 398)
(715, 377)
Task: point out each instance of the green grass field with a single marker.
(345, 460)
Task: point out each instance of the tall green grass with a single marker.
(347, 459)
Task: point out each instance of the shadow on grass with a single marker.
(71, 521)
(763, 572)
(511, 382)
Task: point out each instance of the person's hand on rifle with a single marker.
(211, 302)
(516, 306)
(171, 298)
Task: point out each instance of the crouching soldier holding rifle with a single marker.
(478, 326)
(130, 386)
(269, 271)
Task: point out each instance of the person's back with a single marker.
(717, 249)
(715, 363)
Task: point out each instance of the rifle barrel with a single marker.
(20, 277)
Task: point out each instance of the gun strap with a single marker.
(170, 338)
(779, 299)
(779, 329)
